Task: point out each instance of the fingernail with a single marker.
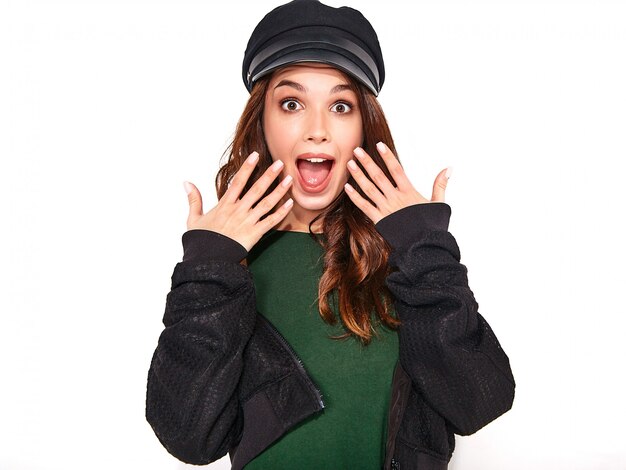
(359, 152)
(188, 187)
(289, 203)
(254, 156)
(352, 165)
(287, 181)
(382, 148)
(277, 165)
(448, 172)
(349, 188)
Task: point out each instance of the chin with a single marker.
(314, 202)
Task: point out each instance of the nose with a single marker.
(317, 129)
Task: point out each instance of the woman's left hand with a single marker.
(387, 198)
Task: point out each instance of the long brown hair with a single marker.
(355, 258)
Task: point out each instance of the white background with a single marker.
(107, 106)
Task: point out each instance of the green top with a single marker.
(354, 380)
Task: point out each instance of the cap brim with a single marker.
(322, 56)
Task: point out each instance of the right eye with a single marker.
(290, 105)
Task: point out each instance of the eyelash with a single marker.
(289, 100)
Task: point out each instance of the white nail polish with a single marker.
(187, 186)
(448, 172)
(286, 181)
(254, 156)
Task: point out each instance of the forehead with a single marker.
(309, 71)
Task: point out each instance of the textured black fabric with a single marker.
(216, 356)
(208, 245)
(400, 393)
(408, 457)
(446, 347)
(409, 224)
(193, 379)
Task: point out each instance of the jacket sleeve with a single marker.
(192, 402)
(446, 347)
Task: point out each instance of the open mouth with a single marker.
(314, 171)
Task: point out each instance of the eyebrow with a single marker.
(295, 85)
(300, 88)
(341, 87)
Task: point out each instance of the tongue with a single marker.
(314, 174)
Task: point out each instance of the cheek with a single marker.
(353, 134)
(343, 175)
(278, 137)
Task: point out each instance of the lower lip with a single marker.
(317, 188)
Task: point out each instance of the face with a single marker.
(312, 123)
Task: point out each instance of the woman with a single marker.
(320, 317)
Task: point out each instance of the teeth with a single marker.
(316, 160)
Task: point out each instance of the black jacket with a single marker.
(222, 379)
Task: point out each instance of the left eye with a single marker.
(341, 108)
(290, 105)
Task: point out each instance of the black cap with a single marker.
(309, 31)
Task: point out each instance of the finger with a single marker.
(362, 203)
(373, 170)
(260, 186)
(269, 202)
(439, 187)
(394, 166)
(195, 199)
(365, 184)
(241, 178)
(273, 219)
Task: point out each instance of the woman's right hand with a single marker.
(236, 218)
